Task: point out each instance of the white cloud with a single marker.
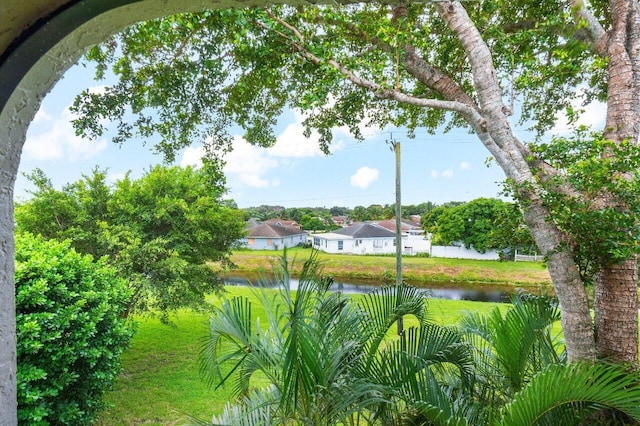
(59, 141)
(465, 165)
(41, 116)
(115, 177)
(292, 143)
(247, 164)
(446, 174)
(98, 90)
(192, 156)
(250, 164)
(364, 177)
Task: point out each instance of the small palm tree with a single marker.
(330, 359)
(521, 375)
(327, 358)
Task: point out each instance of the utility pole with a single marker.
(396, 148)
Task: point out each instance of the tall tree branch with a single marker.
(595, 33)
(378, 90)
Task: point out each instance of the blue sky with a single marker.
(293, 173)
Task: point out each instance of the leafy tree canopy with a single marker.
(188, 77)
(483, 223)
(160, 231)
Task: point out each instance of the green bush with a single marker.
(71, 331)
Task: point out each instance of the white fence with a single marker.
(528, 258)
(455, 252)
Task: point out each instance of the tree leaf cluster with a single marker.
(594, 196)
(71, 331)
(160, 231)
(189, 77)
(483, 223)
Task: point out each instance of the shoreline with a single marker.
(416, 271)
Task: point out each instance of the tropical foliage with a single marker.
(159, 231)
(419, 66)
(483, 223)
(330, 359)
(70, 331)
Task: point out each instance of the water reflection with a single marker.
(462, 292)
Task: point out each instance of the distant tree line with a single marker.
(483, 223)
(320, 218)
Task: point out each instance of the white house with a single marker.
(367, 238)
(359, 238)
(414, 240)
(267, 236)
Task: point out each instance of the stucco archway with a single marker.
(39, 41)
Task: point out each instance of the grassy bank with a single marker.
(415, 270)
(160, 383)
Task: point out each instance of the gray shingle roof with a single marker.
(266, 230)
(365, 230)
(391, 225)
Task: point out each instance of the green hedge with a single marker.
(71, 331)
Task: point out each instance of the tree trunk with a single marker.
(577, 324)
(616, 298)
(616, 313)
(495, 131)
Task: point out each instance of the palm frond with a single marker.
(229, 338)
(510, 349)
(568, 391)
(259, 408)
(383, 307)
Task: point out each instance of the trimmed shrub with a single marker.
(70, 330)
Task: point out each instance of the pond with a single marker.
(457, 291)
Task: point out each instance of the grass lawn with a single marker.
(160, 383)
(414, 269)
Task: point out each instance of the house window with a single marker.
(252, 242)
(340, 245)
(377, 243)
(269, 241)
(316, 241)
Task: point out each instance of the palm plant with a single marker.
(521, 376)
(329, 359)
(509, 350)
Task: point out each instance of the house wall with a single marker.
(415, 244)
(455, 252)
(357, 246)
(411, 245)
(274, 243)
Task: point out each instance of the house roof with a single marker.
(251, 223)
(390, 224)
(282, 222)
(267, 230)
(365, 230)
